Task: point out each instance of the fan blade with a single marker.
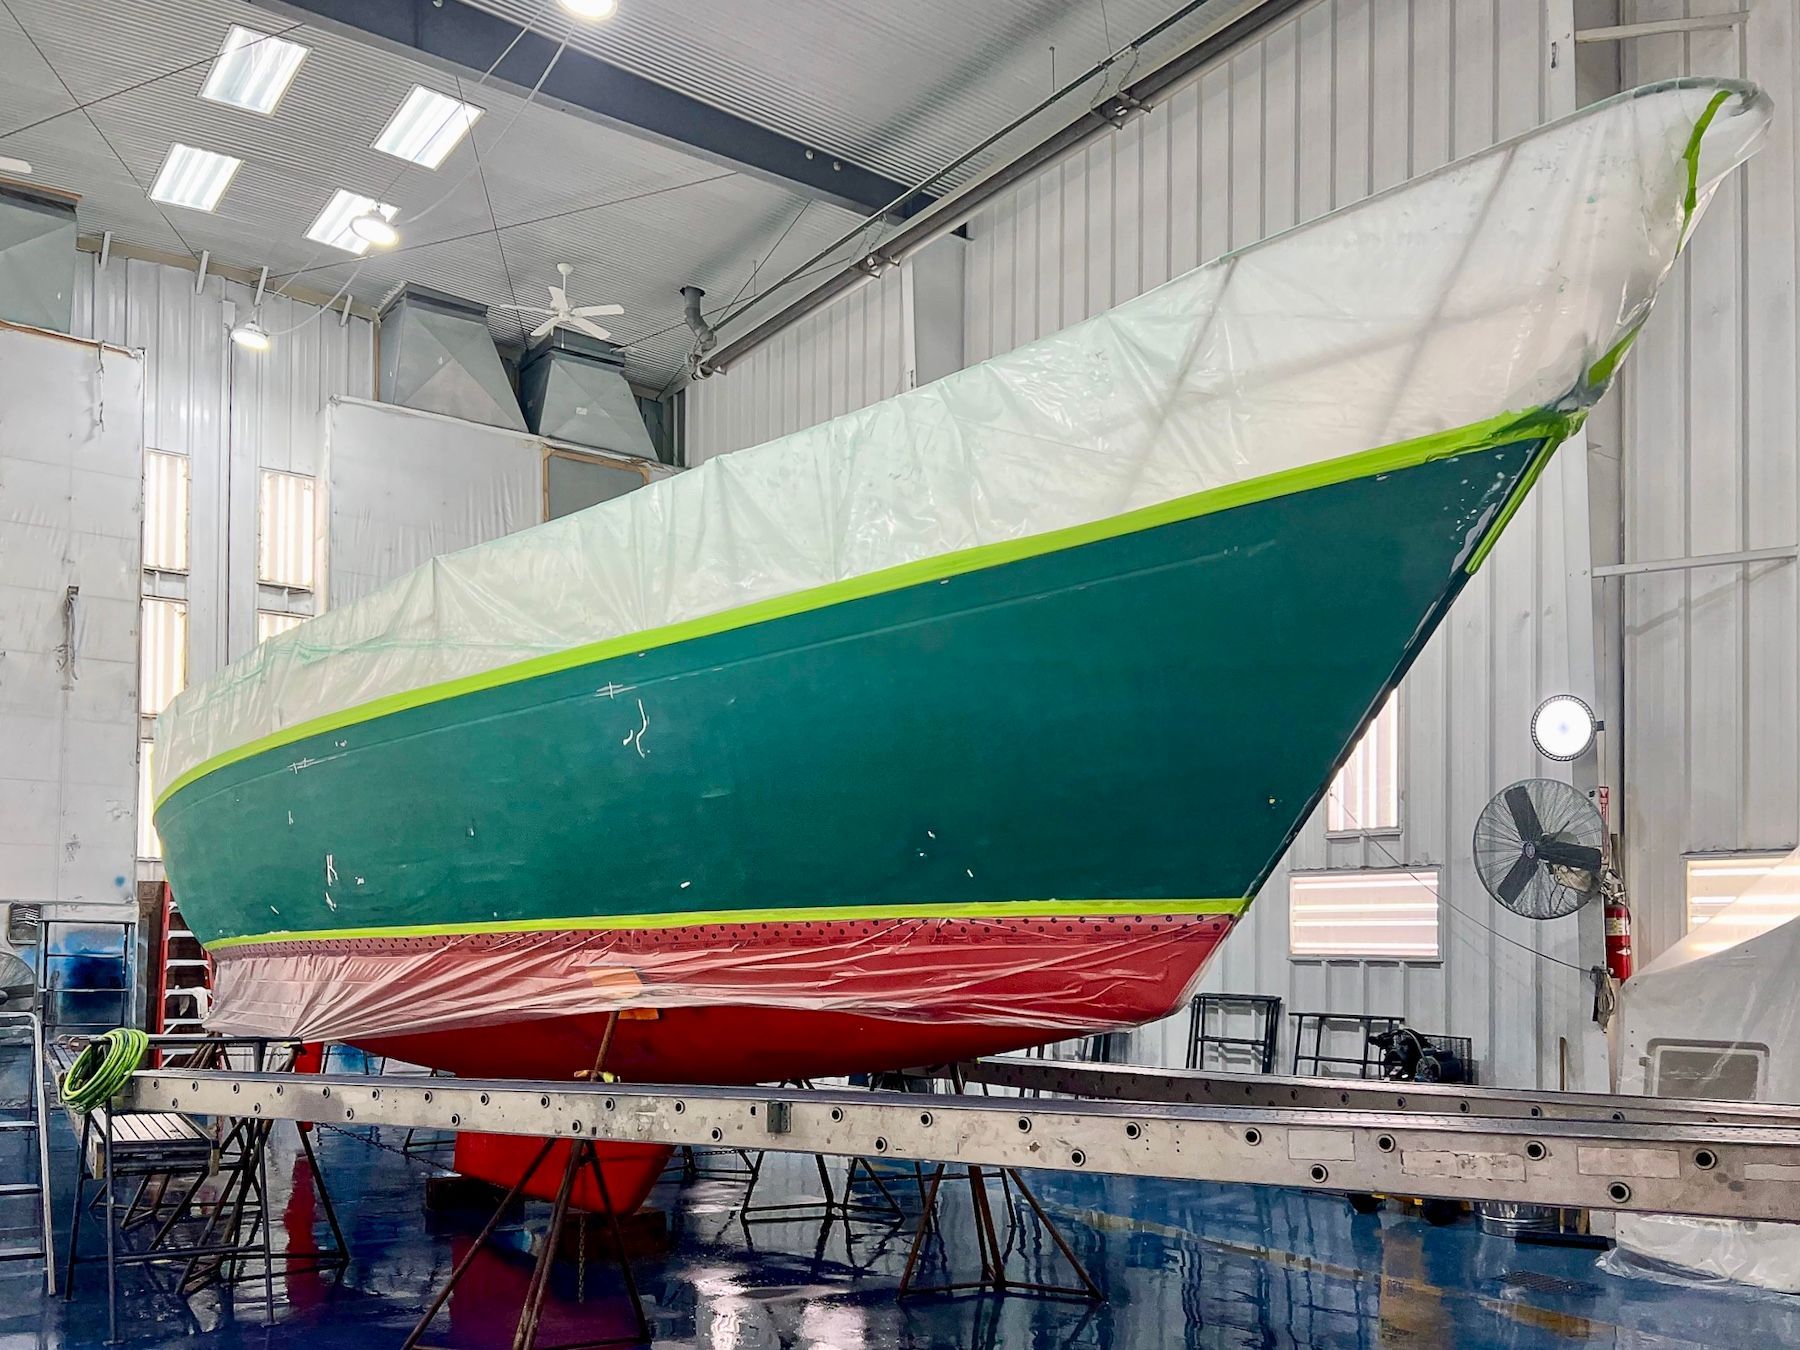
(593, 330)
(1569, 855)
(525, 309)
(545, 326)
(1516, 880)
(1524, 814)
(596, 311)
(559, 298)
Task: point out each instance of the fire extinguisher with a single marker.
(1618, 934)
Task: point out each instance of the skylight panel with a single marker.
(427, 127)
(333, 225)
(193, 178)
(252, 70)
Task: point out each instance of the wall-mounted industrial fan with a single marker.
(1538, 848)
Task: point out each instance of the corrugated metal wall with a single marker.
(842, 358)
(230, 411)
(1708, 449)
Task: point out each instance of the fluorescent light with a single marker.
(193, 178)
(592, 9)
(333, 225)
(426, 127)
(252, 70)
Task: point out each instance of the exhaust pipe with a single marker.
(705, 339)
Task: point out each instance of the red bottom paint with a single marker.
(501, 1159)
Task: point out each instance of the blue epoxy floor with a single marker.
(1183, 1265)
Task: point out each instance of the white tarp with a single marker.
(1490, 287)
(1715, 1016)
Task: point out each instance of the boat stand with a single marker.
(581, 1155)
(835, 1205)
(993, 1277)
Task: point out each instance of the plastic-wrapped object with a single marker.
(967, 720)
(1715, 1018)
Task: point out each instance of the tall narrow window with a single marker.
(1743, 894)
(162, 672)
(269, 622)
(1365, 794)
(1364, 914)
(165, 512)
(285, 531)
(149, 843)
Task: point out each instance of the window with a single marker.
(1365, 795)
(162, 672)
(1768, 884)
(284, 554)
(1364, 913)
(165, 512)
(269, 622)
(149, 845)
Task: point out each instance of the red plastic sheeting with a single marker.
(1057, 974)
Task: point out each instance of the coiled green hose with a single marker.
(103, 1067)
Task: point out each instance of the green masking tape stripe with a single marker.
(1494, 431)
(1690, 202)
(984, 909)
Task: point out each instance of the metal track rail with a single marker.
(1723, 1169)
(1123, 1082)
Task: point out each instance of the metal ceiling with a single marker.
(92, 92)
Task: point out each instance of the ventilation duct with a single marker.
(574, 390)
(37, 257)
(437, 355)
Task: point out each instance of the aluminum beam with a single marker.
(448, 32)
(1121, 1082)
(1720, 1169)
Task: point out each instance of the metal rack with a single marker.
(1729, 1160)
(1210, 1010)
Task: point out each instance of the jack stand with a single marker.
(834, 1206)
(525, 1336)
(993, 1278)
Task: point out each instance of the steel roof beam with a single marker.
(450, 33)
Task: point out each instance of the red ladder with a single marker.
(183, 974)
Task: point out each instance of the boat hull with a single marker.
(977, 811)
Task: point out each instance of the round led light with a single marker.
(376, 229)
(1563, 727)
(251, 336)
(592, 9)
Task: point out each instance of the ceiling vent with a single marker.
(437, 355)
(37, 257)
(574, 390)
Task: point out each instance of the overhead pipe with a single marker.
(950, 215)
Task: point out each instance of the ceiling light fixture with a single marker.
(193, 178)
(426, 127)
(14, 166)
(252, 70)
(1563, 727)
(375, 229)
(597, 10)
(251, 335)
(336, 224)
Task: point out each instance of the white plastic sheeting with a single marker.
(71, 465)
(1702, 1021)
(1490, 287)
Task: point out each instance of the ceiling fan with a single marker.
(564, 315)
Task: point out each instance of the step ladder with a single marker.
(33, 1122)
(183, 974)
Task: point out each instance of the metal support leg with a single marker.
(462, 1267)
(112, 1238)
(81, 1155)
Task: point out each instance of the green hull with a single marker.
(1137, 723)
